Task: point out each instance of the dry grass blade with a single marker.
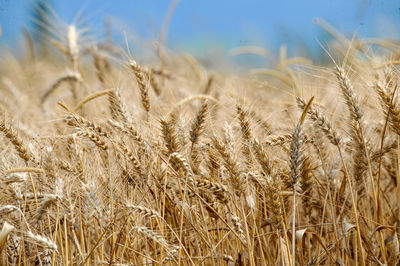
(90, 98)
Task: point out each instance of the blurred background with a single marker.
(208, 28)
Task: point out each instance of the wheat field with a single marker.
(109, 161)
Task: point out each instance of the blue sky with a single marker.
(198, 25)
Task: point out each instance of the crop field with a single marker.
(106, 159)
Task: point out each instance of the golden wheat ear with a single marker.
(20, 146)
(296, 164)
(321, 121)
(143, 84)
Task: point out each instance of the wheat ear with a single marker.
(143, 86)
(13, 137)
(117, 106)
(321, 121)
(230, 164)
